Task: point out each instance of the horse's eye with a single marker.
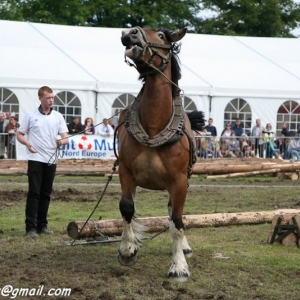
(161, 36)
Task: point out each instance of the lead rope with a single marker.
(114, 168)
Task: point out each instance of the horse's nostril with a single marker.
(133, 31)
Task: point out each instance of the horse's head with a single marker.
(150, 48)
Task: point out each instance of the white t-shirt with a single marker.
(42, 131)
(104, 129)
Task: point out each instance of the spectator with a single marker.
(11, 128)
(210, 128)
(41, 127)
(110, 122)
(257, 134)
(225, 150)
(88, 127)
(269, 138)
(234, 146)
(227, 132)
(285, 130)
(105, 129)
(283, 147)
(3, 123)
(246, 146)
(294, 147)
(75, 126)
(210, 147)
(238, 129)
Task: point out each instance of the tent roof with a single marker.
(86, 58)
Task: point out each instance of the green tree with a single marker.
(10, 10)
(265, 18)
(144, 13)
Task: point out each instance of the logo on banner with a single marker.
(84, 143)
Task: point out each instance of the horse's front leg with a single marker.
(132, 231)
(179, 269)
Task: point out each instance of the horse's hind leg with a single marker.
(132, 231)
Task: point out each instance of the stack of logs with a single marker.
(238, 167)
(213, 168)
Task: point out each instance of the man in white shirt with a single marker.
(105, 129)
(41, 127)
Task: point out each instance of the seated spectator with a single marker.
(246, 146)
(11, 128)
(225, 148)
(88, 127)
(283, 147)
(269, 139)
(210, 147)
(105, 129)
(227, 132)
(294, 147)
(75, 126)
(198, 135)
(234, 146)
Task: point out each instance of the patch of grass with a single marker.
(250, 268)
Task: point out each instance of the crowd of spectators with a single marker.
(262, 142)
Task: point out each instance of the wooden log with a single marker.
(226, 169)
(289, 175)
(155, 224)
(243, 174)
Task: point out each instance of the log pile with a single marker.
(286, 229)
(156, 224)
(210, 167)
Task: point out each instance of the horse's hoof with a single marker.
(188, 253)
(128, 261)
(183, 277)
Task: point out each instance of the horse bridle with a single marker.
(151, 48)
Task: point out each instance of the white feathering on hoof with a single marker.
(138, 230)
(131, 238)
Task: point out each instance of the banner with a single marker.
(89, 147)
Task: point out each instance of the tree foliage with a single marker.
(264, 18)
(270, 18)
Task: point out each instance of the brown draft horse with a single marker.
(156, 143)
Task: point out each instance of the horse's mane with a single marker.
(175, 61)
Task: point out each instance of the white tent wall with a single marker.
(90, 63)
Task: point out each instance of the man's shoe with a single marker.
(32, 234)
(45, 230)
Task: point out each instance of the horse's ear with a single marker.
(178, 35)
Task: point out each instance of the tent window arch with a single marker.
(189, 104)
(288, 112)
(68, 104)
(120, 103)
(9, 102)
(239, 108)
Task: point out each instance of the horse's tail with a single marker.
(197, 120)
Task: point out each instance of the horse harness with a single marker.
(172, 133)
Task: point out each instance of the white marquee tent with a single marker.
(90, 63)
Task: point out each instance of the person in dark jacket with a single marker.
(75, 126)
(238, 128)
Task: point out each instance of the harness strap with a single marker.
(170, 134)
